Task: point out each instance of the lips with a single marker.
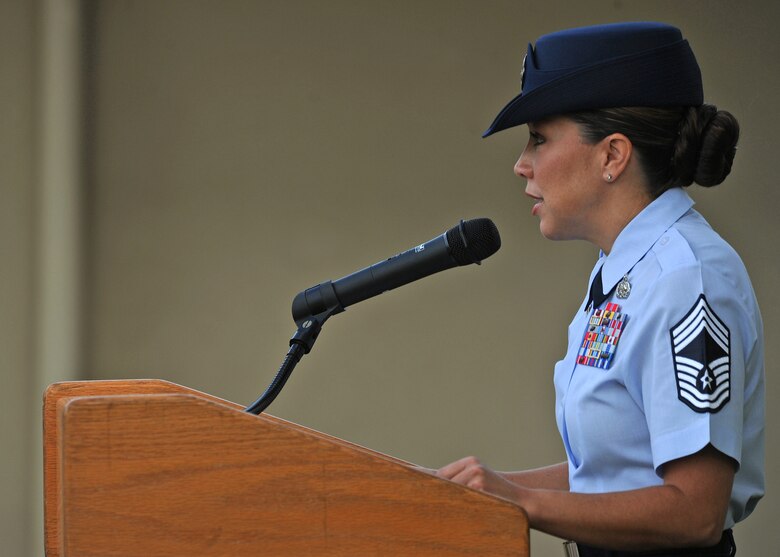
(538, 205)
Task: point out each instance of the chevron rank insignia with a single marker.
(702, 359)
(601, 337)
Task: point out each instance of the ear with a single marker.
(617, 151)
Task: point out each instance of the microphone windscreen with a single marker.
(473, 240)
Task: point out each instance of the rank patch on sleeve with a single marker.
(601, 337)
(702, 361)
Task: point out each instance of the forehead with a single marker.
(558, 125)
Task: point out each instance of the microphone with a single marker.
(468, 242)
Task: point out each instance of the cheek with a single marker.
(560, 182)
(570, 177)
(556, 166)
(567, 199)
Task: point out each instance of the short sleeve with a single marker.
(693, 379)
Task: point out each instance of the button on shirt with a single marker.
(687, 369)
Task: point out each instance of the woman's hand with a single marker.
(472, 473)
(688, 509)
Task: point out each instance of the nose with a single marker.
(522, 167)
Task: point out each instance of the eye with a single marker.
(536, 138)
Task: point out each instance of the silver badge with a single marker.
(522, 72)
(623, 288)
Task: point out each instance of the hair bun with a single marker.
(705, 147)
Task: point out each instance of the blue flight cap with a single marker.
(604, 66)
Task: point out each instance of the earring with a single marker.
(609, 177)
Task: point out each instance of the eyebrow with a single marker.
(536, 126)
(536, 129)
(540, 123)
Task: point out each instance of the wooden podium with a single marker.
(150, 468)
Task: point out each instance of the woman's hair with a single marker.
(675, 146)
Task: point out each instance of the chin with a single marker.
(550, 232)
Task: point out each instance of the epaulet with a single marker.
(673, 251)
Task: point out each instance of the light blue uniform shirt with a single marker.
(687, 369)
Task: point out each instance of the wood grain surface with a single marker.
(154, 469)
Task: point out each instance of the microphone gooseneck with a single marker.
(467, 242)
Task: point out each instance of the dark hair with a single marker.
(676, 146)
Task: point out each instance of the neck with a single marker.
(616, 215)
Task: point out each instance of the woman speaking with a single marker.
(660, 395)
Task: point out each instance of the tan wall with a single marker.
(241, 151)
(16, 387)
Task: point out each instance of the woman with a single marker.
(660, 396)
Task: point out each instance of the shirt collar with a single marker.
(639, 235)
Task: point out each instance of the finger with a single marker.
(453, 469)
(431, 471)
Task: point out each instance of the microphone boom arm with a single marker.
(301, 343)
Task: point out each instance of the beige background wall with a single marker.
(17, 432)
(229, 154)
